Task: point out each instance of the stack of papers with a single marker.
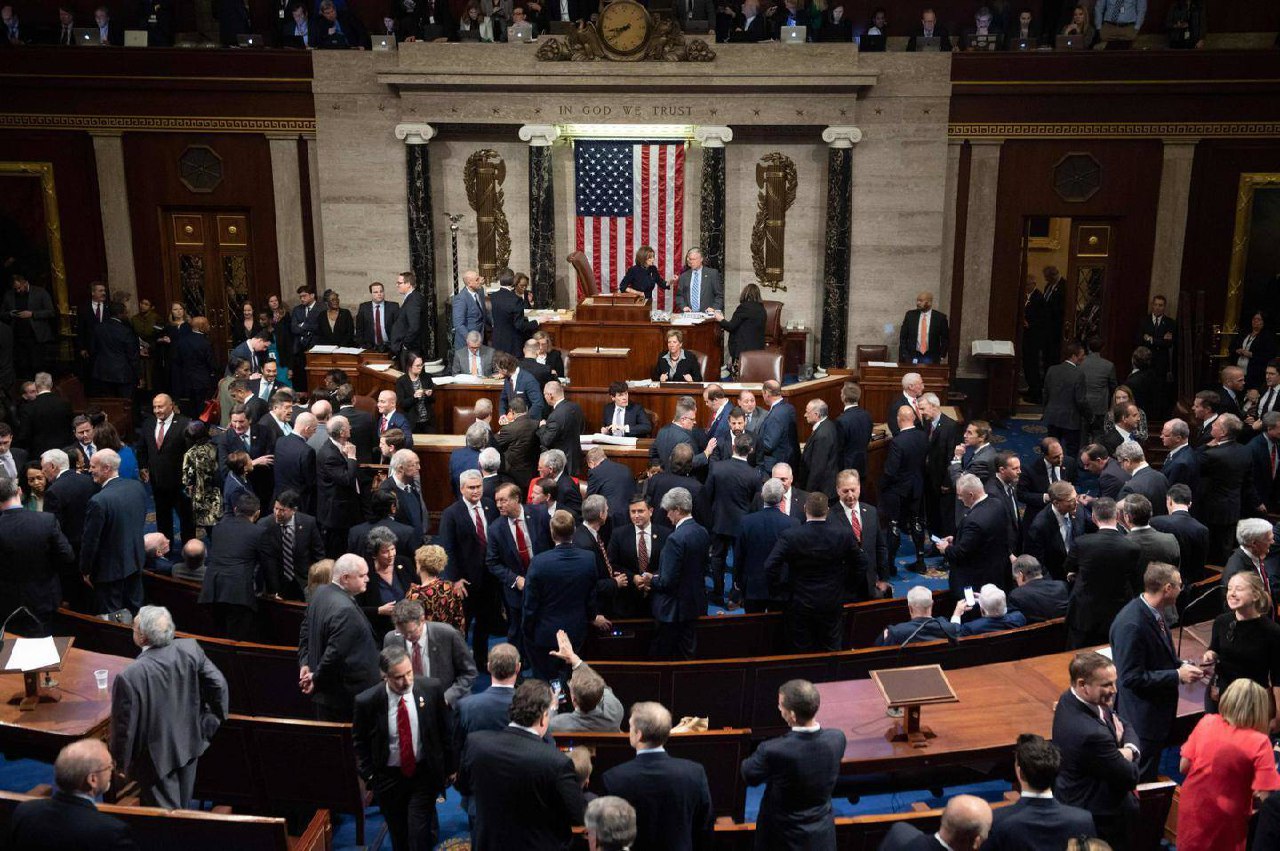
(608, 439)
(32, 654)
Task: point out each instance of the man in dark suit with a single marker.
(678, 591)
(902, 487)
(1104, 565)
(1052, 536)
(559, 594)
(404, 480)
(162, 442)
(749, 25)
(46, 419)
(339, 29)
(776, 441)
(757, 534)
(66, 495)
(1100, 752)
(529, 363)
(1144, 479)
(337, 494)
(116, 365)
(1003, 487)
(939, 492)
(564, 491)
(1037, 820)
(727, 496)
(289, 545)
(525, 791)
(111, 549)
(510, 327)
(862, 520)
(1095, 459)
(304, 319)
(232, 570)
(1226, 486)
(253, 351)
(855, 429)
(464, 535)
(435, 650)
(622, 417)
(1257, 538)
(166, 706)
(1192, 535)
(822, 450)
(33, 554)
(489, 709)
(518, 383)
(1066, 406)
(611, 480)
(975, 455)
(1264, 451)
(922, 626)
(517, 439)
(363, 432)
(1159, 333)
(1052, 465)
(563, 427)
(799, 770)
(1147, 665)
(68, 820)
(912, 391)
(337, 657)
(924, 337)
(295, 463)
(405, 329)
(1181, 465)
(632, 548)
(929, 28)
(406, 769)
(1037, 597)
(1135, 513)
(1230, 390)
(979, 552)
(812, 565)
(514, 538)
(965, 824)
(682, 430)
(375, 318)
(91, 316)
(670, 795)
(242, 436)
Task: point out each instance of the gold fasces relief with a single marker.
(482, 177)
(776, 177)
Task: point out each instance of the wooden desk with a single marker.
(997, 703)
(647, 340)
(880, 384)
(595, 368)
(84, 710)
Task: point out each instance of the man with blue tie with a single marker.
(776, 440)
(469, 313)
(700, 288)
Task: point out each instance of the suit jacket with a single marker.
(353, 34)
(194, 369)
(469, 314)
(39, 302)
(406, 330)
(1112, 478)
(67, 498)
(905, 836)
(800, 772)
(755, 31)
(669, 437)
(1146, 672)
(758, 532)
(295, 470)
(1094, 776)
(1033, 484)
(1106, 567)
(111, 544)
(364, 434)
(616, 484)
(813, 563)
(1044, 540)
(559, 593)
(980, 551)
(874, 543)
(435, 759)
(458, 537)
(527, 388)
(245, 352)
(502, 554)
(1153, 338)
(165, 462)
(448, 659)
(891, 413)
(302, 325)
(1041, 599)
(908, 337)
(982, 463)
(541, 372)
(712, 291)
(1145, 384)
(727, 494)
(65, 822)
(485, 710)
(633, 417)
(944, 435)
(525, 792)
(671, 798)
(939, 32)
(1013, 521)
(1038, 823)
(1066, 397)
(115, 354)
(687, 365)
(777, 442)
(563, 430)
(569, 495)
(821, 458)
(394, 420)
(336, 643)
(510, 327)
(1226, 484)
(998, 623)
(518, 442)
(46, 424)
(855, 427)
(461, 362)
(934, 628)
(746, 328)
(308, 548)
(1182, 468)
(166, 706)
(679, 591)
(658, 485)
(364, 323)
(1099, 382)
(903, 475)
(337, 498)
(33, 552)
(1156, 546)
(1264, 483)
(230, 441)
(1193, 543)
(234, 562)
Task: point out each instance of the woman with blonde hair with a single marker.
(1228, 761)
(1245, 642)
(441, 599)
(320, 573)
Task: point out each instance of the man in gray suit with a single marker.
(1066, 403)
(165, 708)
(700, 287)
(473, 354)
(1156, 546)
(437, 650)
(595, 708)
(1143, 478)
(755, 416)
(1099, 383)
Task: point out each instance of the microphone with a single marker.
(934, 619)
(1183, 611)
(4, 626)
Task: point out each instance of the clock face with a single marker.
(624, 27)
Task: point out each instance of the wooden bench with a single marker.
(720, 752)
(279, 621)
(163, 830)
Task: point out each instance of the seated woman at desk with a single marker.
(676, 364)
(548, 356)
(643, 276)
(746, 328)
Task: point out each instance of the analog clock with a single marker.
(624, 27)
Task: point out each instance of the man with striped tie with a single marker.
(700, 288)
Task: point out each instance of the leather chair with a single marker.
(463, 417)
(587, 285)
(653, 421)
(864, 354)
(759, 365)
(365, 403)
(702, 365)
(773, 333)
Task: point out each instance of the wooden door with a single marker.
(1091, 271)
(208, 268)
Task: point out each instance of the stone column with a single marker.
(290, 247)
(422, 254)
(835, 265)
(1171, 219)
(711, 217)
(542, 212)
(979, 246)
(113, 199)
(317, 221)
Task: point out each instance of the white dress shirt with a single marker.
(393, 730)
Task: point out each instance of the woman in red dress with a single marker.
(1227, 761)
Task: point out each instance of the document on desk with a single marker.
(323, 350)
(608, 440)
(31, 654)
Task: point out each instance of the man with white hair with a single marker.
(610, 823)
(994, 607)
(978, 553)
(405, 482)
(490, 462)
(464, 535)
(337, 491)
(551, 465)
(66, 496)
(467, 456)
(112, 551)
(165, 707)
(1143, 478)
(46, 419)
(474, 358)
(912, 390)
(922, 626)
(337, 658)
(679, 588)
(1255, 536)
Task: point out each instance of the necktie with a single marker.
(856, 522)
(286, 552)
(159, 434)
(782, 506)
(608, 566)
(1053, 474)
(89, 450)
(264, 393)
(522, 543)
(97, 310)
(1068, 533)
(619, 417)
(408, 761)
(484, 542)
(1267, 402)
(247, 447)
(922, 338)
(384, 425)
(377, 325)
(475, 364)
(695, 291)
(642, 550)
(417, 659)
(9, 466)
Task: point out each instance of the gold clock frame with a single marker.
(52, 224)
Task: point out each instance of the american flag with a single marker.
(630, 194)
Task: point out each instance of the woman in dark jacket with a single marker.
(643, 277)
(195, 373)
(336, 327)
(746, 328)
(676, 364)
(247, 326)
(1255, 349)
(414, 390)
(835, 26)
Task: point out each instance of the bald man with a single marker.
(925, 336)
(161, 445)
(69, 820)
(965, 824)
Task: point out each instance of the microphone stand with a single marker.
(1182, 627)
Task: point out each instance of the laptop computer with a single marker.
(250, 40)
(86, 37)
(873, 43)
(384, 42)
(990, 41)
(135, 38)
(522, 33)
(1026, 44)
(928, 44)
(793, 35)
(1070, 42)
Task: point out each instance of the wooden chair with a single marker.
(463, 417)
(773, 332)
(587, 284)
(760, 365)
(367, 404)
(702, 365)
(864, 354)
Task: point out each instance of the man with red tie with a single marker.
(436, 650)
(464, 535)
(389, 417)
(513, 540)
(925, 336)
(403, 734)
(374, 319)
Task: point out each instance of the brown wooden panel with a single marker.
(233, 231)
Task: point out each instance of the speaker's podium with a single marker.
(618, 307)
(33, 693)
(909, 689)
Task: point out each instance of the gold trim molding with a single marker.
(1249, 183)
(52, 224)
(1119, 130)
(156, 123)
